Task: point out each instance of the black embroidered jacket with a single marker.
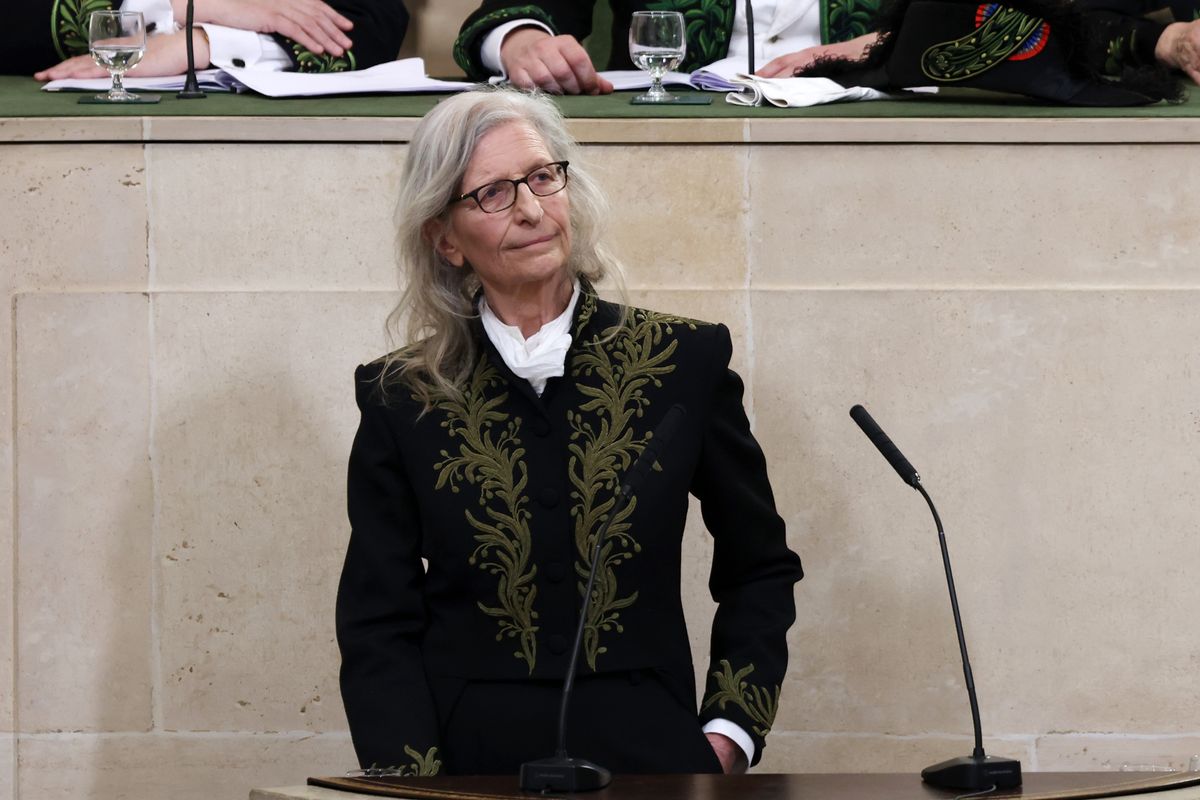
(502, 491)
(1131, 27)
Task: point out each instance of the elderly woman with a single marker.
(488, 456)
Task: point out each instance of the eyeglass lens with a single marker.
(543, 181)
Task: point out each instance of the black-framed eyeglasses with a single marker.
(498, 195)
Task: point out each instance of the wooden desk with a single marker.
(831, 786)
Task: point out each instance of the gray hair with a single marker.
(435, 310)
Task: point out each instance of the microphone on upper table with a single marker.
(977, 771)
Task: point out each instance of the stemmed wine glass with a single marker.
(117, 40)
(656, 45)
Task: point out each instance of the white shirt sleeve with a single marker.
(735, 732)
(234, 47)
(156, 12)
(489, 49)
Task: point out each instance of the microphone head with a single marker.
(906, 471)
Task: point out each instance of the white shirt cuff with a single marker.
(489, 49)
(234, 47)
(156, 12)
(735, 732)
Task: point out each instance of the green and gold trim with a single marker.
(308, 61)
(843, 20)
(630, 363)
(999, 37)
(491, 459)
(69, 21)
(469, 37)
(756, 702)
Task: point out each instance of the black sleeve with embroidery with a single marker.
(379, 28)
(753, 571)
(380, 606)
(572, 17)
(1129, 30)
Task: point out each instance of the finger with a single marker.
(334, 33)
(561, 70)
(603, 85)
(542, 77)
(293, 31)
(583, 74)
(312, 22)
(324, 11)
(772, 68)
(520, 78)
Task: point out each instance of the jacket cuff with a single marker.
(467, 45)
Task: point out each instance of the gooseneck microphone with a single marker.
(978, 770)
(561, 773)
(191, 87)
(750, 36)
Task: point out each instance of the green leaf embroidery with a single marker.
(308, 61)
(69, 20)
(1001, 35)
(491, 458)
(756, 702)
(602, 446)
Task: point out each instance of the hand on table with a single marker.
(311, 23)
(732, 757)
(165, 55)
(533, 58)
(786, 65)
(1179, 47)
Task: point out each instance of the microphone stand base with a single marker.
(970, 772)
(563, 774)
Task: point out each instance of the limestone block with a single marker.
(1057, 433)
(84, 512)
(921, 215)
(672, 224)
(789, 751)
(271, 216)
(255, 415)
(7, 539)
(176, 766)
(49, 194)
(1073, 752)
(8, 766)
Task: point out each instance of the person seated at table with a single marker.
(50, 37)
(491, 448)
(536, 43)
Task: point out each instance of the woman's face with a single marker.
(522, 246)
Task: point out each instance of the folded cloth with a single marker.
(796, 92)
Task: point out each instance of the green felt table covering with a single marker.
(22, 97)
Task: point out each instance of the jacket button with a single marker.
(773, 39)
(557, 644)
(556, 572)
(547, 497)
(541, 427)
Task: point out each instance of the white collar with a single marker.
(540, 357)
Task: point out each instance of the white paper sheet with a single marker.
(210, 81)
(393, 77)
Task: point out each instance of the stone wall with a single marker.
(176, 409)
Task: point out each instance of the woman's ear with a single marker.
(439, 236)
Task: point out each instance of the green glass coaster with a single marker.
(676, 100)
(138, 100)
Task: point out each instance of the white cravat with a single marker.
(541, 356)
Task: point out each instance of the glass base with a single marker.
(124, 98)
(697, 99)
